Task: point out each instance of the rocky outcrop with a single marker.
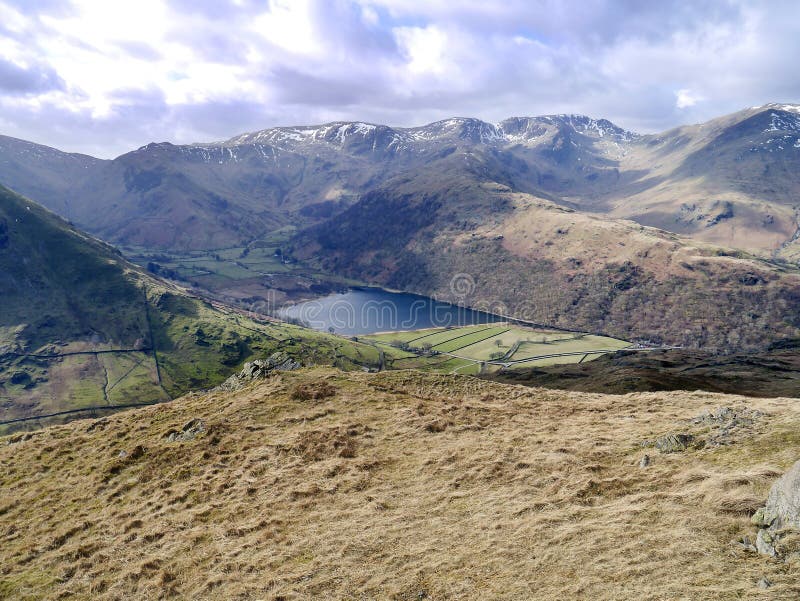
(727, 424)
(719, 427)
(780, 516)
(190, 430)
(258, 369)
(674, 443)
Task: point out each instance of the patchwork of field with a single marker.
(482, 348)
(240, 271)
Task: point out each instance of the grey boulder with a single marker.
(781, 513)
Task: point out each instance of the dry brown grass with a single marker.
(394, 486)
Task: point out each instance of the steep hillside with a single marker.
(732, 181)
(54, 178)
(325, 485)
(82, 327)
(528, 257)
(164, 196)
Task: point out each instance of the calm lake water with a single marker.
(371, 310)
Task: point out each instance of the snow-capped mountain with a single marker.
(224, 193)
(380, 137)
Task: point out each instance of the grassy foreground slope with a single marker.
(82, 327)
(320, 484)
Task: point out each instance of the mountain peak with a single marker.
(526, 128)
(600, 128)
(336, 132)
(464, 128)
(471, 129)
(789, 108)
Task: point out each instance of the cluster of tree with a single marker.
(164, 272)
(423, 349)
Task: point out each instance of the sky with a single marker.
(105, 77)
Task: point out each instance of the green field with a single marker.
(482, 348)
(432, 336)
(550, 361)
(214, 268)
(223, 268)
(581, 343)
(505, 341)
(464, 341)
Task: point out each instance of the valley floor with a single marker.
(320, 484)
(488, 348)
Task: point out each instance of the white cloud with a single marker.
(289, 25)
(685, 98)
(424, 48)
(91, 74)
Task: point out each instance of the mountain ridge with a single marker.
(469, 128)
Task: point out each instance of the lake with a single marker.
(369, 310)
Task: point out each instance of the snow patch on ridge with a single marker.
(380, 138)
(522, 129)
(783, 122)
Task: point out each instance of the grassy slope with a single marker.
(688, 176)
(398, 486)
(61, 285)
(65, 292)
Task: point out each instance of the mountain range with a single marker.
(731, 181)
(685, 237)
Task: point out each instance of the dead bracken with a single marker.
(526, 494)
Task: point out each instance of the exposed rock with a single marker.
(781, 513)
(726, 423)
(725, 213)
(189, 431)
(765, 543)
(746, 544)
(783, 502)
(673, 443)
(645, 461)
(760, 518)
(135, 453)
(764, 583)
(258, 369)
